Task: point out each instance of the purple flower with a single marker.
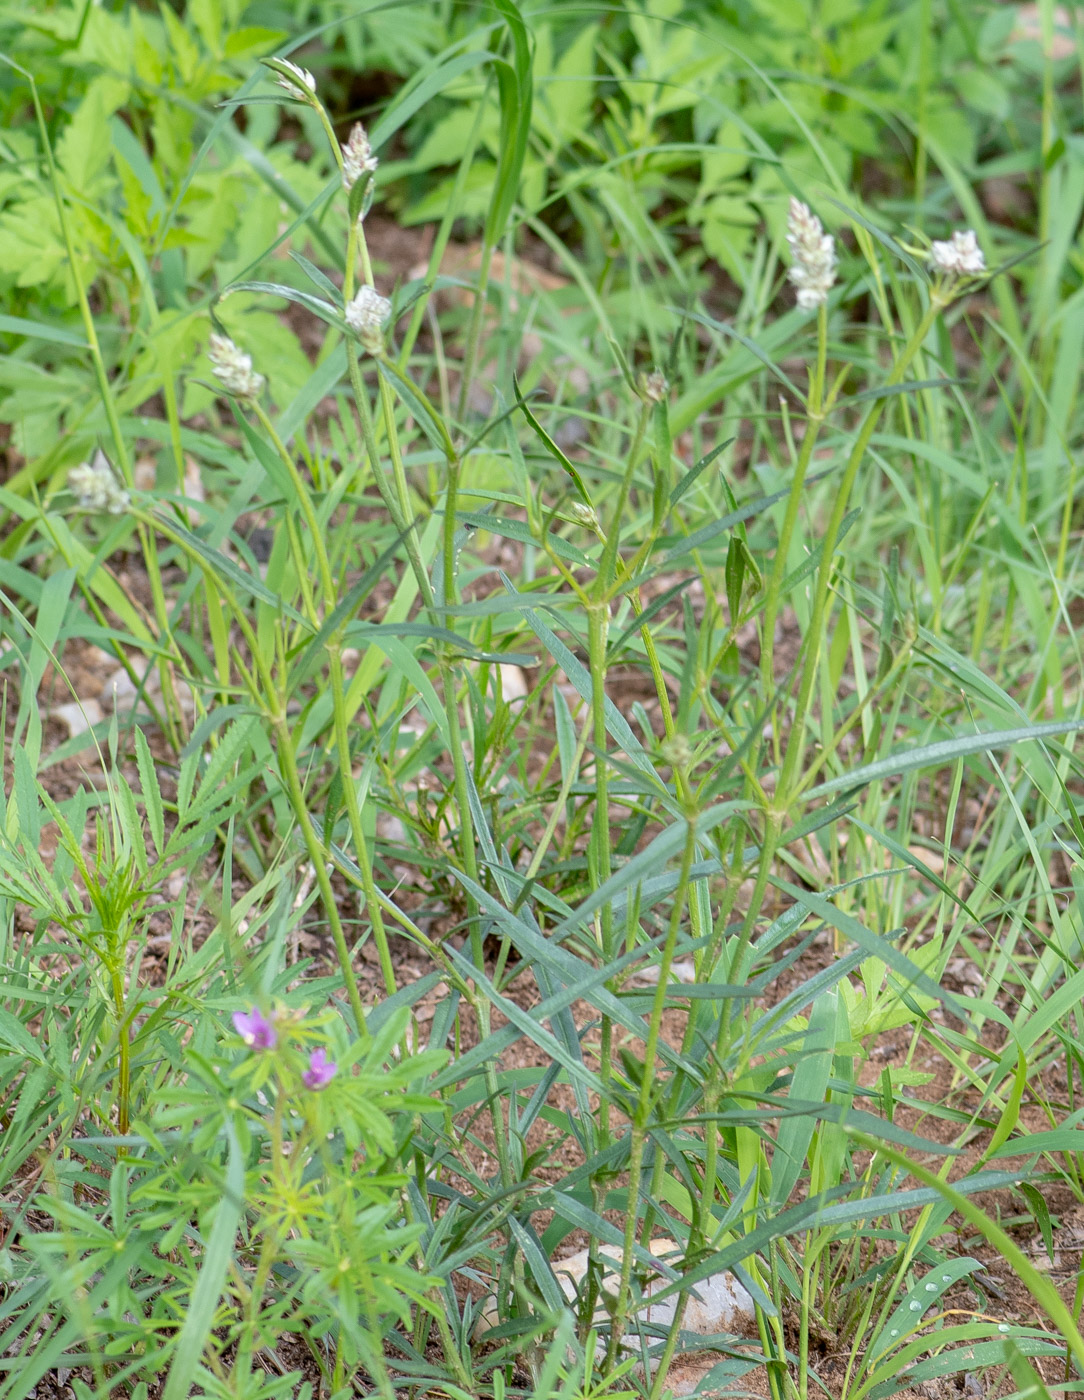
(255, 1029)
(321, 1070)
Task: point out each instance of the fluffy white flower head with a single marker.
(96, 487)
(961, 256)
(655, 386)
(583, 514)
(233, 368)
(358, 158)
(366, 315)
(813, 256)
(299, 82)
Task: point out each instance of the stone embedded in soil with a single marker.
(78, 717)
(513, 683)
(718, 1304)
(120, 693)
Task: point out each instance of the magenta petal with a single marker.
(255, 1029)
(321, 1070)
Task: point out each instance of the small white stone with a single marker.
(716, 1304)
(78, 716)
(513, 683)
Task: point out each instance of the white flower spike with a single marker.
(585, 515)
(358, 158)
(961, 256)
(298, 82)
(655, 386)
(813, 256)
(366, 315)
(96, 487)
(233, 368)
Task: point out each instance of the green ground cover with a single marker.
(540, 696)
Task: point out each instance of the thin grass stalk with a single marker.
(266, 695)
(120, 447)
(598, 618)
(353, 814)
(124, 1053)
(822, 588)
(398, 468)
(318, 856)
(598, 621)
(642, 1113)
(468, 850)
(474, 331)
(449, 688)
(402, 521)
(444, 233)
(775, 814)
(814, 419)
(342, 739)
(398, 506)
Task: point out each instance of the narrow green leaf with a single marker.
(38, 330)
(212, 1276)
(943, 752)
(152, 792)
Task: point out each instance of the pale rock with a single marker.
(144, 474)
(79, 716)
(716, 1304)
(119, 691)
(681, 971)
(513, 683)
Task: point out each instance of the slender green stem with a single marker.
(401, 518)
(105, 390)
(353, 813)
(642, 1113)
(775, 814)
(598, 619)
(474, 332)
(822, 589)
(319, 858)
(444, 233)
(124, 1053)
(304, 501)
(814, 419)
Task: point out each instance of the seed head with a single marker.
(583, 514)
(358, 158)
(366, 315)
(298, 82)
(813, 256)
(961, 256)
(96, 487)
(233, 368)
(677, 751)
(655, 386)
